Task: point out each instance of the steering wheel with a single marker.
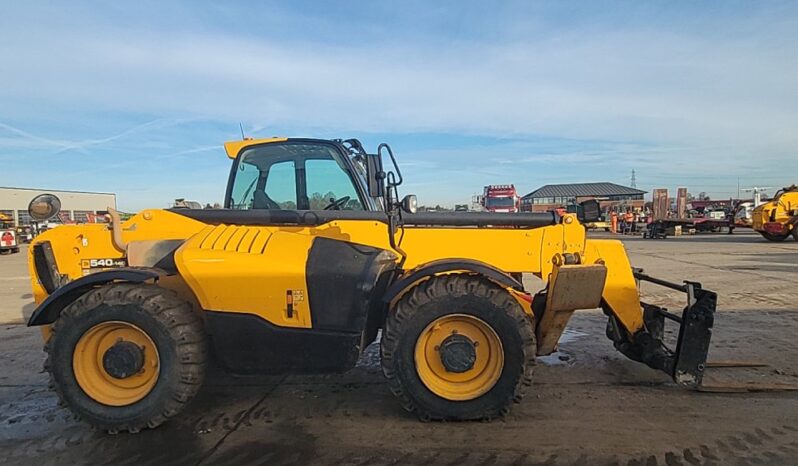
(336, 204)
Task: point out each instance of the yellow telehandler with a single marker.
(777, 219)
(312, 256)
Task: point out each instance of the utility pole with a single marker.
(757, 190)
(634, 180)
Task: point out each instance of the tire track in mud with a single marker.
(241, 416)
(774, 445)
(187, 438)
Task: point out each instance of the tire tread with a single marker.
(176, 317)
(455, 285)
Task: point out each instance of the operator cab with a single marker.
(297, 174)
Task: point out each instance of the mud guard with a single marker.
(47, 312)
(450, 265)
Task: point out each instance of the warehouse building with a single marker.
(610, 196)
(76, 206)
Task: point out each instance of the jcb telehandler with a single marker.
(777, 219)
(310, 258)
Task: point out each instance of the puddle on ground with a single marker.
(560, 357)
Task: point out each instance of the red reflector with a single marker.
(526, 297)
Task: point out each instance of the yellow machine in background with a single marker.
(777, 219)
(312, 255)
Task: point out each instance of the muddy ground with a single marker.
(589, 405)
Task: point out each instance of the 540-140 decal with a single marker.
(96, 265)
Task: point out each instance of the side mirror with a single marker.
(591, 211)
(44, 207)
(375, 175)
(410, 204)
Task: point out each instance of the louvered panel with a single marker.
(246, 240)
(211, 238)
(235, 239)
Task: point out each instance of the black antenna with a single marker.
(240, 126)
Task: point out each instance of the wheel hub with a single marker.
(459, 357)
(116, 363)
(123, 359)
(458, 353)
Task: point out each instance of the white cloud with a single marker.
(622, 85)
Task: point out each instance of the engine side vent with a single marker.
(232, 238)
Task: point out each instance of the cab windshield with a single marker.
(500, 202)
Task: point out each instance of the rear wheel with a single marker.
(774, 238)
(795, 232)
(126, 357)
(458, 348)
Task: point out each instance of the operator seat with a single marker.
(260, 200)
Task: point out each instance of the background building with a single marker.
(609, 195)
(76, 206)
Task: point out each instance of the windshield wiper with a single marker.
(246, 193)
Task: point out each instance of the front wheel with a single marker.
(458, 347)
(126, 357)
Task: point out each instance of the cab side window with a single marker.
(271, 187)
(243, 192)
(329, 186)
(280, 188)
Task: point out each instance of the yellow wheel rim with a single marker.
(94, 379)
(462, 385)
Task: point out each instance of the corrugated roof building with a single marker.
(75, 205)
(552, 196)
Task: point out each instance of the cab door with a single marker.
(326, 186)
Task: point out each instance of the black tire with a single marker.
(461, 294)
(176, 331)
(795, 232)
(774, 238)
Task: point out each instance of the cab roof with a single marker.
(233, 148)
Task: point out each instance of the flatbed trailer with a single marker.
(709, 224)
(659, 228)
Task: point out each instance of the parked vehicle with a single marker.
(501, 198)
(8, 235)
(275, 284)
(777, 219)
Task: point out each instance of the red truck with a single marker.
(501, 198)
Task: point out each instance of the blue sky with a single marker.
(137, 97)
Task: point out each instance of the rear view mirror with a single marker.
(44, 207)
(375, 175)
(590, 210)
